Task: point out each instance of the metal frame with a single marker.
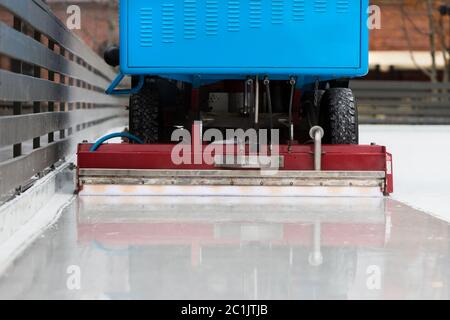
(112, 87)
(341, 165)
(232, 177)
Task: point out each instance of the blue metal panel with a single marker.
(226, 39)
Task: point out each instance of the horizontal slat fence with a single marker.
(51, 92)
(402, 102)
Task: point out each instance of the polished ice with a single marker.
(235, 248)
(421, 164)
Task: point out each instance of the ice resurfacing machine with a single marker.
(239, 97)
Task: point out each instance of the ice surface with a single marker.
(257, 248)
(421, 164)
(234, 248)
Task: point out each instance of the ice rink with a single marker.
(421, 164)
(255, 248)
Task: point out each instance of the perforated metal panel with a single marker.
(342, 6)
(320, 6)
(168, 23)
(146, 29)
(234, 16)
(238, 37)
(298, 10)
(277, 14)
(255, 13)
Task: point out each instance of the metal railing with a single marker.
(402, 102)
(51, 92)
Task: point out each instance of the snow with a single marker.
(421, 164)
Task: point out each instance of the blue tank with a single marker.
(203, 41)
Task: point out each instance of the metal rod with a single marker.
(291, 102)
(247, 96)
(269, 105)
(257, 101)
(244, 111)
(317, 133)
(291, 132)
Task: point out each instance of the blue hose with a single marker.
(112, 136)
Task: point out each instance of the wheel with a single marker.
(339, 117)
(310, 109)
(157, 108)
(144, 112)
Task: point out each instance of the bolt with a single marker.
(292, 81)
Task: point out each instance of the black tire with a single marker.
(309, 109)
(159, 106)
(339, 117)
(144, 112)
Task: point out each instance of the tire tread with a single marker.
(339, 116)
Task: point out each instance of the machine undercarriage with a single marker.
(163, 105)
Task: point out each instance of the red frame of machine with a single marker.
(296, 157)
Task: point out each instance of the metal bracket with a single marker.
(113, 91)
(248, 162)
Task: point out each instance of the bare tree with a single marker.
(112, 5)
(436, 33)
(443, 33)
(432, 38)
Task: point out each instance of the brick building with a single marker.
(404, 32)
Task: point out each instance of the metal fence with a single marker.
(51, 91)
(402, 102)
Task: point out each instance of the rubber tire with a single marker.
(144, 112)
(339, 117)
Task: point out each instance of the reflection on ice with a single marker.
(237, 248)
